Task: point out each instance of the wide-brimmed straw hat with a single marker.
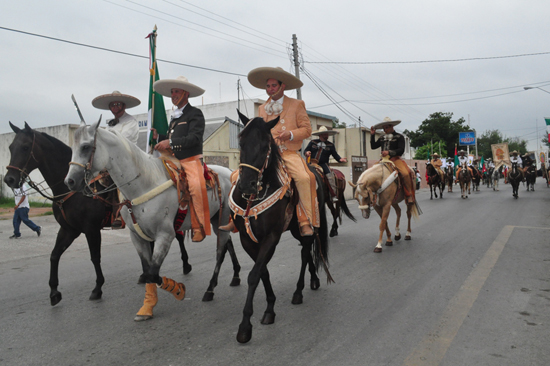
(435, 155)
(103, 101)
(323, 130)
(514, 152)
(165, 86)
(260, 75)
(385, 122)
(461, 151)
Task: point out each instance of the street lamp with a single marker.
(535, 87)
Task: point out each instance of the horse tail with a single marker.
(345, 209)
(320, 243)
(415, 210)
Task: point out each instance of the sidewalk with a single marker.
(7, 213)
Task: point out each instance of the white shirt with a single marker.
(22, 192)
(127, 126)
(516, 159)
(176, 113)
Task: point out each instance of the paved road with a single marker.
(471, 288)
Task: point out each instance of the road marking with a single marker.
(435, 344)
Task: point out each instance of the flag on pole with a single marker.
(482, 165)
(456, 160)
(157, 113)
(548, 127)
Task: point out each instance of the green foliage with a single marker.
(423, 152)
(488, 138)
(439, 126)
(515, 143)
(336, 124)
(9, 202)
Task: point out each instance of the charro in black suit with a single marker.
(186, 133)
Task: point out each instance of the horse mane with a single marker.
(58, 145)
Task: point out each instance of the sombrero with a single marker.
(435, 154)
(165, 87)
(514, 152)
(462, 151)
(260, 75)
(322, 130)
(103, 101)
(386, 121)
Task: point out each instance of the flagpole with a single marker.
(153, 50)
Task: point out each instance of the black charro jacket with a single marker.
(186, 133)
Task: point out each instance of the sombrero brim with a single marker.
(328, 132)
(260, 75)
(164, 87)
(103, 101)
(380, 125)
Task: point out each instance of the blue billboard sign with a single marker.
(467, 138)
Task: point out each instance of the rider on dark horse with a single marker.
(393, 146)
(437, 164)
(463, 160)
(527, 162)
(320, 150)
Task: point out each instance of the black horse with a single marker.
(338, 206)
(476, 178)
(449, 177)
(74, 212)
(530, 177)
(435, 181)
(260, 187)
(515, 176)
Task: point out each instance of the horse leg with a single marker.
(184, 256)
(409, 215)
(383, 213)
(334, 212)
(297, 297)
(94, 244)
(398, 214)
(431, 192)
(261, 253)
(62, 242)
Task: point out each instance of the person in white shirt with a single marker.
(22, 212)
(515, 158)
(123, 123)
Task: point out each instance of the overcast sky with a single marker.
(380, 50)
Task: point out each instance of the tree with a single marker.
(438, 127)
(423, 152)
(515, 143)
(484, 142)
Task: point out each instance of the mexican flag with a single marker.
(482, 165)
(548, 127)
(456, 160)
(157, 113)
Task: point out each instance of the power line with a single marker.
(425, 61)
(118, 52)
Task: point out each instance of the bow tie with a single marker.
(113, 122)
(273, 108)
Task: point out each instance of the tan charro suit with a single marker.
(294, 118)
(437, 164)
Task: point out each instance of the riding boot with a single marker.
(332, 186)
(230, 227)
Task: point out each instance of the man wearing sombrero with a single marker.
(393, 146)
(293, 127)
(321, 150)
(463, 160)
(123, 123)
(185, 140)
(437, 164)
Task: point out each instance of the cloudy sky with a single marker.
(360, 59)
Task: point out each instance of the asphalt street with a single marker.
(472, 287)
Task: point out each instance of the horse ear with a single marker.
(98, 122)
(14, 128)
(27, 127)
(244, 119)
(273, 123)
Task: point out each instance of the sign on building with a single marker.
(467, 138)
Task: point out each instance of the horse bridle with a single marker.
(24, 169)
(260, 175)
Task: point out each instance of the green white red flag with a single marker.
(548, 127)
(157, 113)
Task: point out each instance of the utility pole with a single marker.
(296, 64)
(239, 94)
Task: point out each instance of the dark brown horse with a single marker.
(464, 180)
(263, 209)
(530, 177)
(339, 205)
(449, 177)
(515, 176)
(435, 181)
(476, 178)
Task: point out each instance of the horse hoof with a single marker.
(96, 295)
(314, 284)
(297, 299)
(142, 318)
(244, 335)
(378, 250)
(333, 233)
(408, 237)
(55, 298)
(397, 237)
(268, 318)
(187, 268)
(389, 243)
(236, 281)
(208, 296)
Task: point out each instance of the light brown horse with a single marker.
(378, 187)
